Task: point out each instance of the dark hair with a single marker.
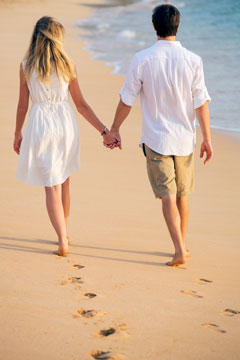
(166, 19)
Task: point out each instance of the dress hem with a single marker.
(54, 184)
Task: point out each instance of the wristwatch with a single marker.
(104, 131)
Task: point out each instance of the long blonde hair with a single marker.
(46, 52)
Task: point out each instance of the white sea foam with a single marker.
(103, 26)
(130, 34)
(116, 33)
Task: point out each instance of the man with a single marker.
(170, 81)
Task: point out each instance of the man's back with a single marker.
(171, 84)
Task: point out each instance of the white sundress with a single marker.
(50, 149)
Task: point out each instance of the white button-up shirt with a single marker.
(170, 81)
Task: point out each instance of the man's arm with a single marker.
(121, 114)
(129, 93)
(204, 120)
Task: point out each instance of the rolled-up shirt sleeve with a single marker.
(199, 90)
(133, 83)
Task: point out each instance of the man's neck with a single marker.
(168, 38)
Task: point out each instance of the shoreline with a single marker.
(122, 43)
(118, 235)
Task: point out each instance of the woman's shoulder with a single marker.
(23, 64)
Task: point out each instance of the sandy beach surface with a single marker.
(113, 297)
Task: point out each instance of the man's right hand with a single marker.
(206, 147)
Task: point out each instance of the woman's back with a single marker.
(54, 91)
(50, 147)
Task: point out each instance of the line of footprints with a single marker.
(225, 312)
(87, 314)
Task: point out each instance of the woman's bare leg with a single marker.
(66, 201)
(56, 215)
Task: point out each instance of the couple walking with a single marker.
(170, 81)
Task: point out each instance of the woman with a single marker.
(49, 149)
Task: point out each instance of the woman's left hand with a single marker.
(17, 142)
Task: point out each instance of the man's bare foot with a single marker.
(177, 260)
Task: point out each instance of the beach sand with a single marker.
(149, 311)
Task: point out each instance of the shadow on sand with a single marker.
(17, 247)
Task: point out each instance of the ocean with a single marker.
(211, 28)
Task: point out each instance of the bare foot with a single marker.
(61, 252)
(62, 249)
(177, 260)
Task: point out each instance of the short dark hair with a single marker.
(166, 19)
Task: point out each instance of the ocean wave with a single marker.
(129, 34)
(119, 29)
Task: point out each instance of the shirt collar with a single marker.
(166, 43)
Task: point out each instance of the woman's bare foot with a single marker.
(61, 252)
(177, 260)
(62, 249)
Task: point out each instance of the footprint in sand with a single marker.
(230, 312)
(121, 329)
(72, 279)
(88, 313)
(78, 266)
(75, 279)
(191, 293)
(106, 332)
(105, 355)
(202, 281)
(214, 327)
(89, 295)
(101, 355)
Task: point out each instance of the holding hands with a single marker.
(121, 114)
(112, 139)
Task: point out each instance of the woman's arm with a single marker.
(21, 110)
(85, 110)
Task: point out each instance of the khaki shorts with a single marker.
(169, 174)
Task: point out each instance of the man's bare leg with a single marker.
(183, 208)
(173, 221)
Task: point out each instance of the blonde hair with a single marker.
(46, 52)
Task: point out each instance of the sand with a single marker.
(150, 311)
